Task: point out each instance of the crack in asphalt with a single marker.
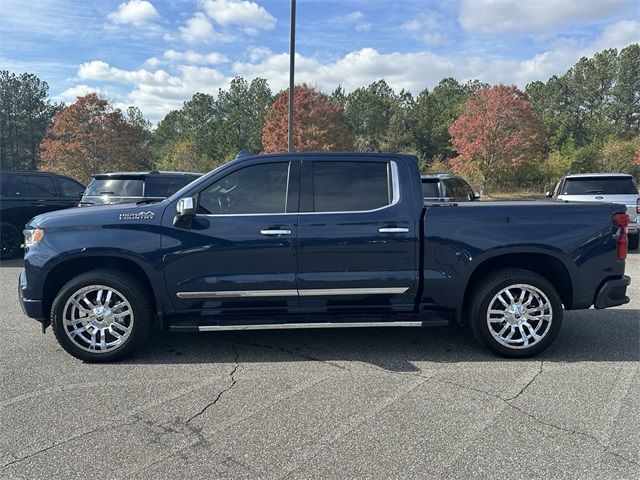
(533, 379)
(508, 401)
(294, 354)
(222, 392)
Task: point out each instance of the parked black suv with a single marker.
(444, 187)
(23, 195)
(128, 187)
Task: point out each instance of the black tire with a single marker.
(634, 240)
(483, 298)
(10, 241)
(135, 293)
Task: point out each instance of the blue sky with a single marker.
(155, 54)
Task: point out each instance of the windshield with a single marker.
(117, 187)
(599, 186)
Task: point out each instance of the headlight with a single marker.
(32, 236)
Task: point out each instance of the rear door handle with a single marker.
(275, 232)
(393, 230)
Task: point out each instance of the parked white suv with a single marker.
(604, 188)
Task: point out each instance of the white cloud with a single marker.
(618, 35)
(157, 92)
(198, 29)
(526, 17)
(212, 58)
(70, 94)
(134, 12)
(98, 70)
(417, 70)
(243, 13)
(354, 16)
(258, 53)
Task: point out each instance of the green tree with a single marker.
(25, 113)
(435, 111)
(368, 112)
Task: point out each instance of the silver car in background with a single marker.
(604, 188)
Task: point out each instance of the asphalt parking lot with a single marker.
(371, 403)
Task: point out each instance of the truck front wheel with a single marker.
(101, 315)
(515, 312)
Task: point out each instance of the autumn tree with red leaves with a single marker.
(91, 136)
(496, 131)
(320, 124)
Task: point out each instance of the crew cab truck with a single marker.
(307, 240)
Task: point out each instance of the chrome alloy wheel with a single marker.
(519, 316)
(98, 319)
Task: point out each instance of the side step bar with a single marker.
(282, 326)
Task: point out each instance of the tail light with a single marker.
(638, 205)
(622, 220)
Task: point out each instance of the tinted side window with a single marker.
(430, 189)
(456, 188)
(70, 188)
(258, 188)
(165, 186)
(17, 186)
(351, 186)
(42, 186)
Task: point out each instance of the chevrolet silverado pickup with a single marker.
(312, 240)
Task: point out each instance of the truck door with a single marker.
(240, 251)
(357, 232)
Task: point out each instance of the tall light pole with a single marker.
(292, 62)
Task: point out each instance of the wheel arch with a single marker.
(72, 267)
(547, 265)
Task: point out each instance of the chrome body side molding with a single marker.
(314, 292)
(286, 326)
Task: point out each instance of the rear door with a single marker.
(357, 235)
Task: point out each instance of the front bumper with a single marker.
(612, 292)
(32, 308)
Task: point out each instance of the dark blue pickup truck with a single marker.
(319, 240)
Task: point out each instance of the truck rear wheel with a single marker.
(515, 312)
(101, 315)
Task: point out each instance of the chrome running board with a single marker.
(282, 326)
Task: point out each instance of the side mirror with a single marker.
(185, 211)
(549, 194)
(476, 196)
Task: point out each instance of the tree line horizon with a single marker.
(498, 136)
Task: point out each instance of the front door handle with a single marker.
(275, 232)
(393, 230)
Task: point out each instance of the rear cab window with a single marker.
(351, 186)
(599, 186)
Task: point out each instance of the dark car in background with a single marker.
(131, 187)
(23, 195)
(444, 187)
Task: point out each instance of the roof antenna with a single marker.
(243, 153)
